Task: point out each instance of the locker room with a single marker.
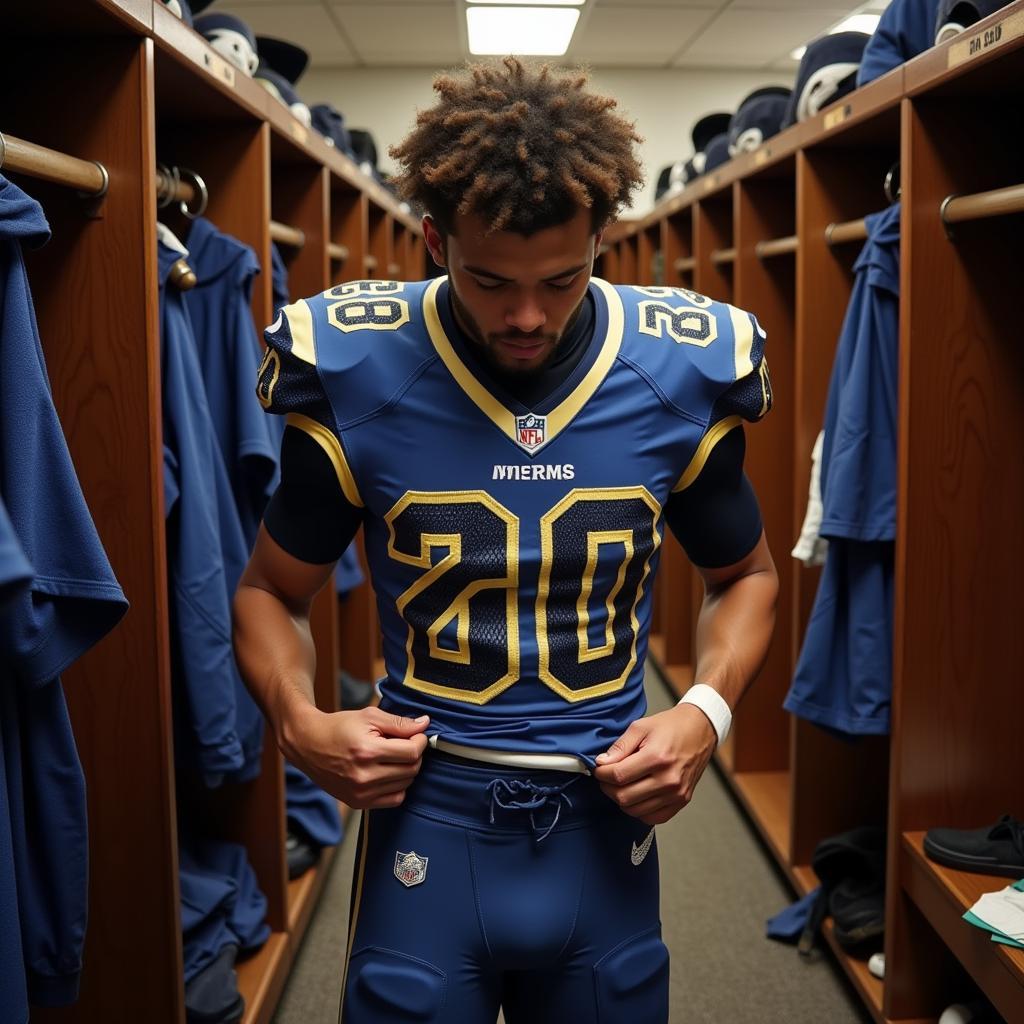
(754, 761)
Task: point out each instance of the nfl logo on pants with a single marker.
(410, 868)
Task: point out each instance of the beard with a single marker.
(486, 344)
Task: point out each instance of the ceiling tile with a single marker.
(635, 5)
(737, 36)
(637, 35)
(307, 25)
(404, 35)
(790, 6)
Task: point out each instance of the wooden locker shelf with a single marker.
(261, 979)
(766, 797)
(304, 891)
(943, 894)
(867, 985)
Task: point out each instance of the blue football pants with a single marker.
(488, 887)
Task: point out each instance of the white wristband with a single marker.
(713, 704)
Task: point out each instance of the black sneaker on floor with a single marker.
(994, 850)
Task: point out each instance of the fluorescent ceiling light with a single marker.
(520, 30)
(798, 53)
(533, 3)
(857, 23)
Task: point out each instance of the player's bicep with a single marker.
(273, 569)
(716, 516)
(307, 524)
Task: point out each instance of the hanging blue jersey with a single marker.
(15, 572)
(906, 28)
(513, 550)
(229, 352)
(219, 726)
(70, 602)
(221, 903)
(843, 678)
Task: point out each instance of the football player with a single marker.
(513, 438)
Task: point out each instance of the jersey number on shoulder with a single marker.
(462, 612)
(689, 324)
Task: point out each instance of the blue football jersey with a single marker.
(15, 572)
(513, 550)
(219, 727)
(843, 677)
(71, 600)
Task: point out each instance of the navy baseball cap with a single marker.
(717, 152)
(707, 127)
(287, 59)
(228, 36)
(828, 71)
(956, 16)
(758, 118)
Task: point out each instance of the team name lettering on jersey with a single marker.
(544, 472)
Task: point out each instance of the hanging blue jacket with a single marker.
(15, 572)
(229, 353)
(906, 28)
(843, 679)
(71, 600)
(219, 728)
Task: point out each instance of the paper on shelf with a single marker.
(1001, 912)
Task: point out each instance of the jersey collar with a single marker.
(506, 414)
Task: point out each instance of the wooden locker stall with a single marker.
(764, 275)
(89, 94)
(960, 554)
(129, 85)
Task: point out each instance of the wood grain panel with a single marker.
(95, 295)
(233, 158)
(765, 208)
(960, 552)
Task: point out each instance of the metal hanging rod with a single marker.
(996, 203)
(847, 231)
(776, 247)
(90, 177)
(369, 262)
(723, 256)
(337, 252)
(287, 235)
(685, 264)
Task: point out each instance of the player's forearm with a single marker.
(734, 630)
(276, 657)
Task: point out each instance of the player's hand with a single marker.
(652, 769)
(366, 758)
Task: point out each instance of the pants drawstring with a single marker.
(527, 795)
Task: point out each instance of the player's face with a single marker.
(516, 296)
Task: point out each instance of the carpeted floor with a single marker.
(718, 887)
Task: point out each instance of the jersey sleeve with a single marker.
(308, 514)
(717, 519)
(289, 384)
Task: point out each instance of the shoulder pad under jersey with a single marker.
(705, 358)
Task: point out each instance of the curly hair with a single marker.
(520, 145)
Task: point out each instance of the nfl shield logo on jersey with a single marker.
(531, 431)
(410, 868)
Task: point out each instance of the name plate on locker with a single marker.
(1001, 32)
(837, 116)
(299, 132)
(762, 155)
(219, 68)
(711, 183)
